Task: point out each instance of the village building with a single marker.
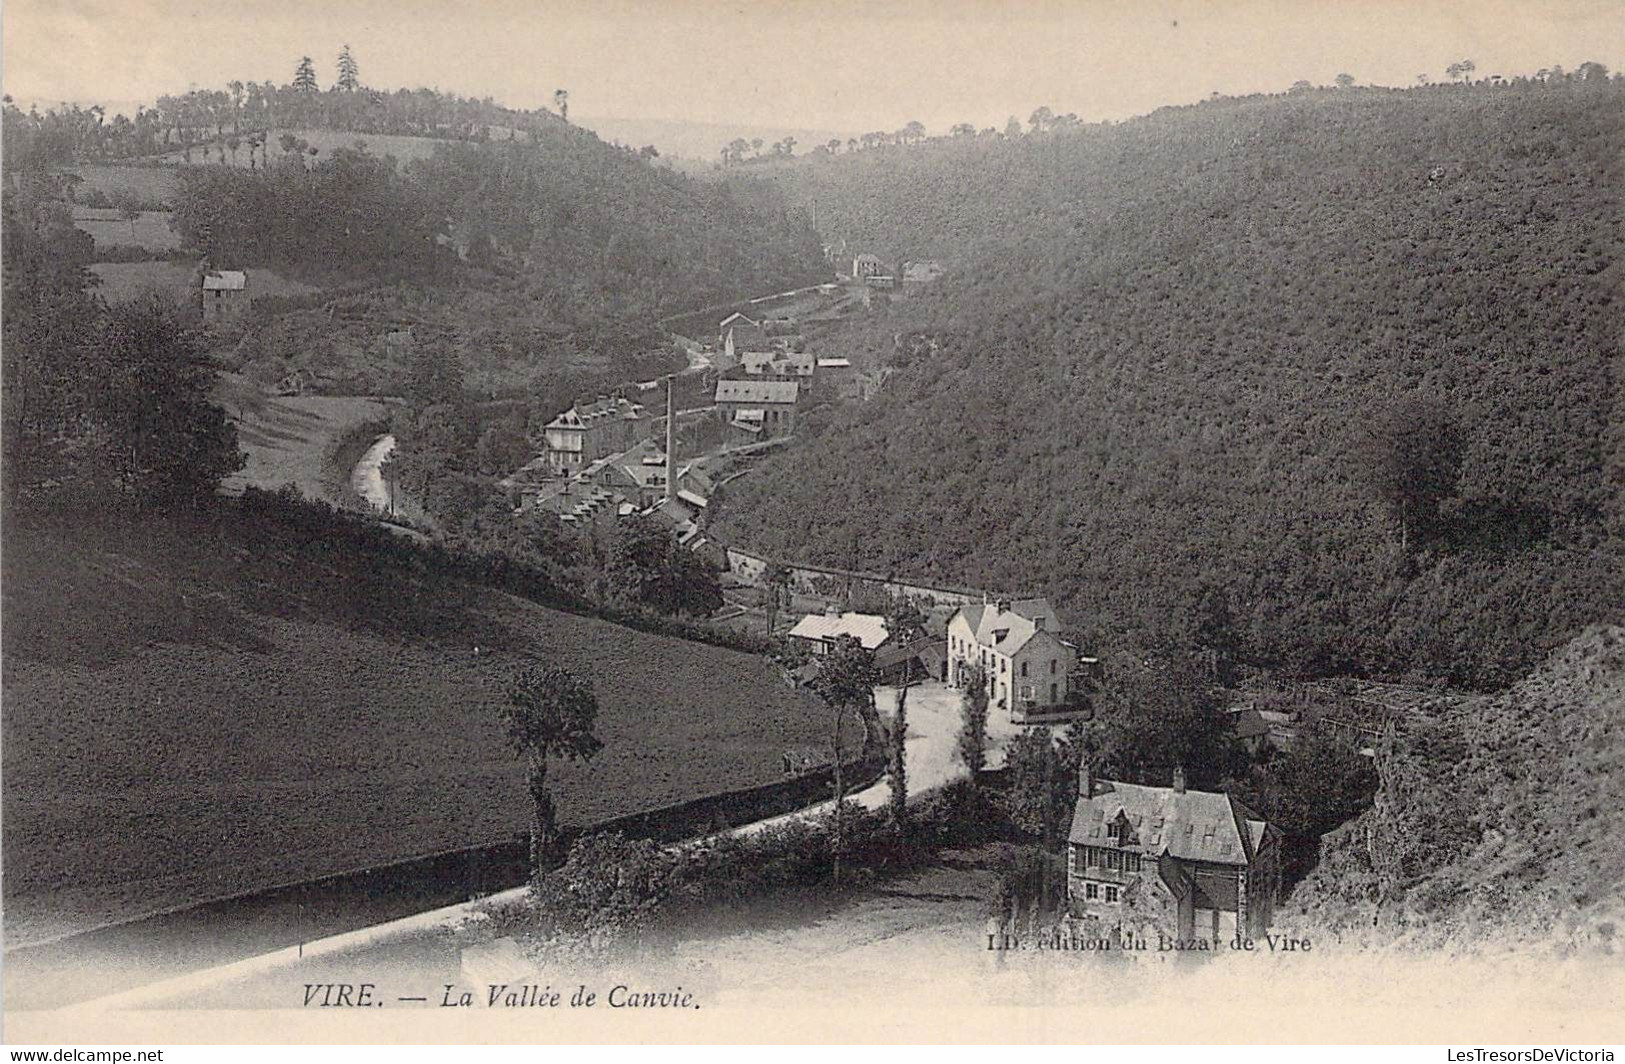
(763, 409)
(924, 658)
(778, 363)
(580, 506)
(224, 294)
(589, 431)
(1196, 864)
(866, 265)
(1018, 646)
(738, 334)
(916, 274)
(817, 632)
(639, 473)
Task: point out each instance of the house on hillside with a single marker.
(588, 431)
(817, 632)
(738, 334)
(224, 294)
(579, 505)
(778, 363)
(866, 265)
(1028, 665)
(921, 273)
(1197, 864)
(759, 409)
(639, 473)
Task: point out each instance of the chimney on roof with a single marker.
(1179, 779)
(832, 610)
(1002, 605)
(1086, 777)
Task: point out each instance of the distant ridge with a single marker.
(701, 141)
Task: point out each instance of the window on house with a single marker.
(1024, 668)
(1090, 892)
(1052, 666)
(1054, 694)
(1111, 893)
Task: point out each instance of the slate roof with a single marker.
(869, 629)
(783, 392)
(225, 281)
(1192, 826)
(925, 648)
(1007, 631)
(584, 414)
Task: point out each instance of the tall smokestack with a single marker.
(671, 439)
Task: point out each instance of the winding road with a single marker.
(368, 477)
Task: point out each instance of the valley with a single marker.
(1231, 490)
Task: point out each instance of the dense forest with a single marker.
(578, 229)
(1325, 382)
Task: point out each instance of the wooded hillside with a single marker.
(1323, 382)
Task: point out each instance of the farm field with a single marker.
(293, 439)
(151, 184)
(191, 714)
(126, 280)
(108, 227)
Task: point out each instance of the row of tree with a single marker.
(185, 122)
(1046, 120)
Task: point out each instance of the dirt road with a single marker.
(932, 747)
(368, 479)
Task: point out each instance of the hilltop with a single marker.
(1175, 362)
(538, 254)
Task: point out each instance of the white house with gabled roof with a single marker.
(1019, 647)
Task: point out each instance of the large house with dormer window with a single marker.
(589, 431)
(1017, 644)
(1199, 864)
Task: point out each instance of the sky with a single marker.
(847, 66)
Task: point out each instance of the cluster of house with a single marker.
(907, 277)
(601, 464)
(767, 374)
(1198, 865)
(1015, 647)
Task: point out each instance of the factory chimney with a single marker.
(671, 439)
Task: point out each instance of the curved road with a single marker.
(368, 479)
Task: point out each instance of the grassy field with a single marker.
(293, 439)
(190, 715)
(150, 183)
(108, 227)
(126, 280)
